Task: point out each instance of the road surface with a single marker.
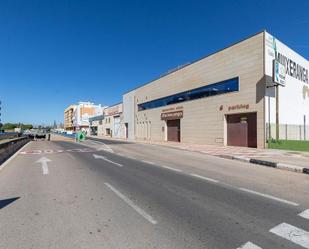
(112, 194)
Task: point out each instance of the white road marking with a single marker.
(170, 168)
(105, 159)
(131, 204)
(118, 164)
(269, 197)
(70, 155)
(130, 157)
(162, 166)
(12, 157)
(305, 214)
(148, 162)
(249, 245)
(204, 178)
(105, 147)
(43, 161)
(294, 234)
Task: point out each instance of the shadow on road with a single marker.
(5, 202)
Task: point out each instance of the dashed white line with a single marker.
(170, 168)
(269, 196)
(249, 245)
(205, 178)
(118, 164)
(162, 166)
(149, 162)
(291, 233)
(131, 204)
(305, 214)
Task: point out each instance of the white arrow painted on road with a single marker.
(105, 159)
(43, 161)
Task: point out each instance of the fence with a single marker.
(288, 132)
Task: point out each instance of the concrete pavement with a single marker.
(121, 195)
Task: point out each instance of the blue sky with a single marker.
(54, 53)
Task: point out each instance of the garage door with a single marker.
(116, 127)
(173, 130)
(242, 130)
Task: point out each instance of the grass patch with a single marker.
(289, 145)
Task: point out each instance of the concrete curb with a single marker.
(11, 157)
(283, 166)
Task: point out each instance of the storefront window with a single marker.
(222, 87)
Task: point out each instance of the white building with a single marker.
(82, 113)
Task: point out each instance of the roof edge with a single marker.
(217, 51)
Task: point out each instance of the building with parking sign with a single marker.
(235, 96)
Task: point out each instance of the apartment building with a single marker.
(68, 117)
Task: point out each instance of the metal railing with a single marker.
(288, 132)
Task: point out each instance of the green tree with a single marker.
(9, 126)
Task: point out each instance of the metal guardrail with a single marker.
(65, 135)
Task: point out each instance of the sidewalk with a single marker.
(289, 160)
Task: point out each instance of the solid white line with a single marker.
(204, 178)
(269, 197)
(170, 168)
(13, 156)
(294, 234)
(249, 245)
(305, 214)
(118, 164)
(131, 204)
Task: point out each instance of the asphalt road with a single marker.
(105, 194)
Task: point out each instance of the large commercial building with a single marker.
(226, 98)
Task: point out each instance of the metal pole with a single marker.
(305, 127)
(277, 112)
(269, 125)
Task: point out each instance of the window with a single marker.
(230, 85)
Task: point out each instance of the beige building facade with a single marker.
(217, 100)
(112, 125)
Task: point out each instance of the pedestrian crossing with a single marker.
(249, 245)
(305, 214)
(286, 231)
(292, 233)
